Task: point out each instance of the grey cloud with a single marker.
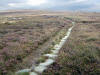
(86, 5)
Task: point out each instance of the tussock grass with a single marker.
(80, 55)
(77, 59)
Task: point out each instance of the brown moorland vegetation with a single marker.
(26, 35)
(24, 38)
(81, 53)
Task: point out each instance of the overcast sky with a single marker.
(74, 5)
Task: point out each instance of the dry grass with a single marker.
(21, 36)
(26, 35)
(81, 53)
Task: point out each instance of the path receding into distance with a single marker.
(36, 70)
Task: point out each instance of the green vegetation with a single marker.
(91, 39)
(77, 59)
(81, 53)
(24, 73)
(41, 59)
(22, 37)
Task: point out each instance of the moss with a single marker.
(91, 39)
(41, 59)
(24, 73)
